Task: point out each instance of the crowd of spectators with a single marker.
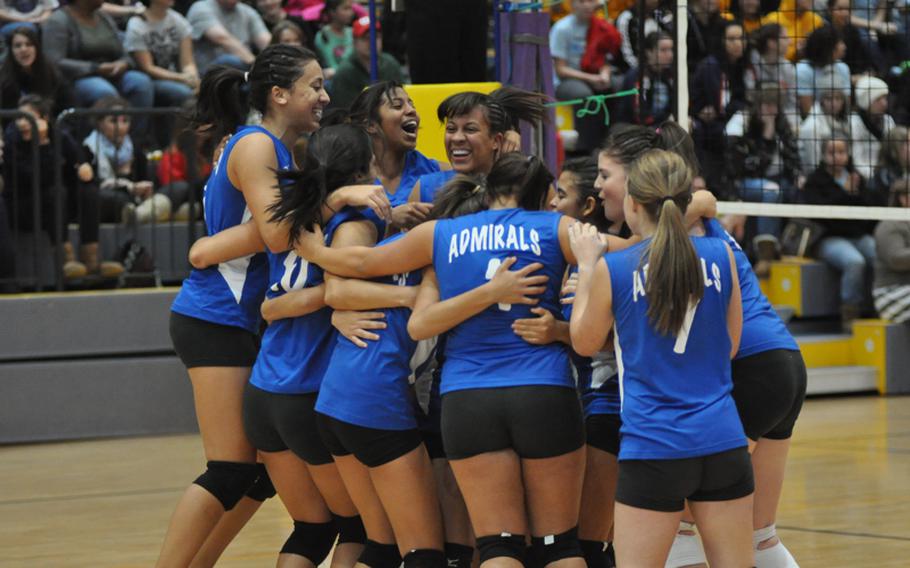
(790, 101)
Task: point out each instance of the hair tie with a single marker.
(246, 77)
(657, 130)
(477, 189)
(665, 199)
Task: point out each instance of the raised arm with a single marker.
(592, 312)
(235, 242)
(430, 316)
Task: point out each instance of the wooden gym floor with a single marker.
(106, 503)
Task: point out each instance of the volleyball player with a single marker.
(511, 419)
(682, 439)
(214, 319)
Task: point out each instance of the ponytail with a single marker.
(336, 156)
(661, 182)
(503, 108)
(526, 178)
(226, 95)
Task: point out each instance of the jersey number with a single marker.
(682, 338)
(492, 267)
(291, 262)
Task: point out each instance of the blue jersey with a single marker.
(229, 293)
(676, 400)
(295, 351)
(763, 330)
(415, 166)
(596, 377)
(483, 351)
(430, 184)
(369, 386)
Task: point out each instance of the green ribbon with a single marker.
(594, 104)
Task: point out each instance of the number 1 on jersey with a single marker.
(492, 267)
(682, 338)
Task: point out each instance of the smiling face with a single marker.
(469, 145)
(398, 119)
(611, 186)
(305, 100)
(24, 51)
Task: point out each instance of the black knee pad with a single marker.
(459, 555)
(228, 481)
(425, 558)
(350, 529)
(595, 553)
(376, 555)
(263, 488)
(313, 541)
(556, 547)
(499, 545)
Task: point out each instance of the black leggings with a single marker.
(80, 204)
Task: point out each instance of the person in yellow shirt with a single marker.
(798, 19)
(749, 14)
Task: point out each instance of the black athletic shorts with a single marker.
(602, 432)
(769, 389)
(371, 446)
(664, 485)
(535, 421)
(201, 343)
(275, 422)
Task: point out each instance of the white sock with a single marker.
(776, 556)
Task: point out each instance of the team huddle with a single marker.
(597, 372)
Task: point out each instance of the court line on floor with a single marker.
(80, 496)
(845, 533)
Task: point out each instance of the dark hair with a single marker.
(503, 108)
(44, 78)
(584, 170)
(674, 138)
(227, 94)
(661, 182)
(765, 35)
(626, 142)
(37, 102)
(837, 135)
(364, 110)
(110, 103)
(329, 7)
(336, 156)
(653, 38)
(524, 177)
(288, 25)
(820, 45)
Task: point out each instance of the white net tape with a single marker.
(813, 211)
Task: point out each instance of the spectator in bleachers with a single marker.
(26, 71)
(658, 16)
(335, 40)
(178, 176)
(24, 13)
(830, 114)
(798, 20)
(160, 40)
(823, 53)
(226, 32)
(771, 67)
(288, 32)
(858, 57)
(894, 160)
(80, 197)
(706, 31)
(7, 250)
(127, 193)
(718, 91)
(273, 14)
(654, 102)
(762, 157)
(568, 43)
(891, 287)
(353, 74)
(872, 107)
(848, 246)
(882, 29)
(85, 43)
(746, 11)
